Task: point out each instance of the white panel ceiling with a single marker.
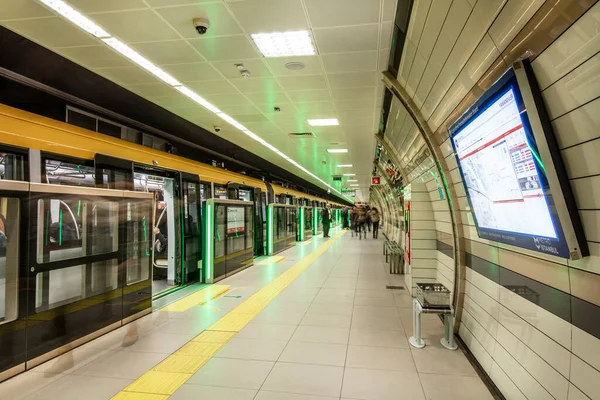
(342, 81)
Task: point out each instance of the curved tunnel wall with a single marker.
(545, 342)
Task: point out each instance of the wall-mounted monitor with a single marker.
(512, 170)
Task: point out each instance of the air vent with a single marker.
(303, 135)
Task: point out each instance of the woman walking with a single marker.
(375, 218)
(361, 222)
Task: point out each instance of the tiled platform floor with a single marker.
(335, 333)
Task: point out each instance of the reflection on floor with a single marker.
(335, 333)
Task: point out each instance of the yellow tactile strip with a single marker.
(197, 299)
(168, 376)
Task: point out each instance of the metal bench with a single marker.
(433, 298)
(393, 255)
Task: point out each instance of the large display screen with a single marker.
(503, 174)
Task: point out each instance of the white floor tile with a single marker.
(195, 392)
(258, 330)
(232, 373)
(379, 338)
(252, 349)
(305, 379)
(381, 385)
(388, 358)
(314, 353)
(326, 320)
(315, 334)
(447, 387)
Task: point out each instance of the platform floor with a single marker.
(335, 332)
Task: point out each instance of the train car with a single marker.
(92, 228)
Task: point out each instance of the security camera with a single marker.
(201, 25)
(217, 129)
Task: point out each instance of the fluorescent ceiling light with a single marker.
(284, 44)
(198, 99)
(76, 17)
(254, 136)
(345, 166)
(349, 174)
(231, 121)
(352, 180)
(355, 185)
(140, 60)
(337, 150)
(324, 122)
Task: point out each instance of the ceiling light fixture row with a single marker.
(275, 45)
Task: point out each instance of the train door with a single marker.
(167, 238)
(192, 205)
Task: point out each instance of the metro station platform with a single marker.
(315, 322)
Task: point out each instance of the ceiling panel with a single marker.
(171, 52)
(92, 6)
(355, 79)
(192, 72)
(311, 63)
(126, 75)
(162, 3)
(354, 93)
(273, 99)
(17, 9)
(303, 82)
(225, 48)
(350, 62)
(152, 89)
(258, 16)
(136, 26)
(51, 32)
(256, 67)
(309, 95)
(93, 56)
(335, 40)
(327, 13)
(213, 87)
(256, 85)
(181, 18)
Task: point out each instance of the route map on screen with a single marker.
(503, 174)
(500, 171)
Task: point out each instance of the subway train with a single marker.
(92, 228)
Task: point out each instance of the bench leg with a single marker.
(448, 339)
(415, 340)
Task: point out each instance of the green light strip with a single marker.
(47, 228)
(270, 229)
(301, 223)
(537, 157)
(79, 208)
(208, 243)
(60, 227)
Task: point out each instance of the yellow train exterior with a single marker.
(24, 129)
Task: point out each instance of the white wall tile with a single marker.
(553, 326)
(484, 358)
(586, 378)
(555, 354)
(573, 47)
(576, 394)
(578, 126)
(519, 375)
(586, 347)
(482, 316)
(514, 16)
(505, 384)
(580, 160)
(556, 384)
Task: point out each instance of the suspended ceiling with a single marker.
(343, 80)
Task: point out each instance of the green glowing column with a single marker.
(301, 224)
(315, 218)
(208, 240)
(270, 223)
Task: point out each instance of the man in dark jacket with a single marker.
(326, 220)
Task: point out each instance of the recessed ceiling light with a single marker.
(355, 185)
(324, 122)
(344, 166)
(284, 44)
(337, 150)
(349, 174)
(352, 180)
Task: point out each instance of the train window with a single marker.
(9, 258)
(138, 241)
(65, 173)
(12, 167)
(71, 228)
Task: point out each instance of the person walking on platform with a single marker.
(326, 220)
(361, 222)
(345, 218)
(375, 218)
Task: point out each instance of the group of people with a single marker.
(362, 218)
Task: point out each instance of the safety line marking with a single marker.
(170, 374)
(196, 299)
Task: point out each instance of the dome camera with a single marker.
(201, 25)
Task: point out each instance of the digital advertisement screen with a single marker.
(503, 174)
(235, 220)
